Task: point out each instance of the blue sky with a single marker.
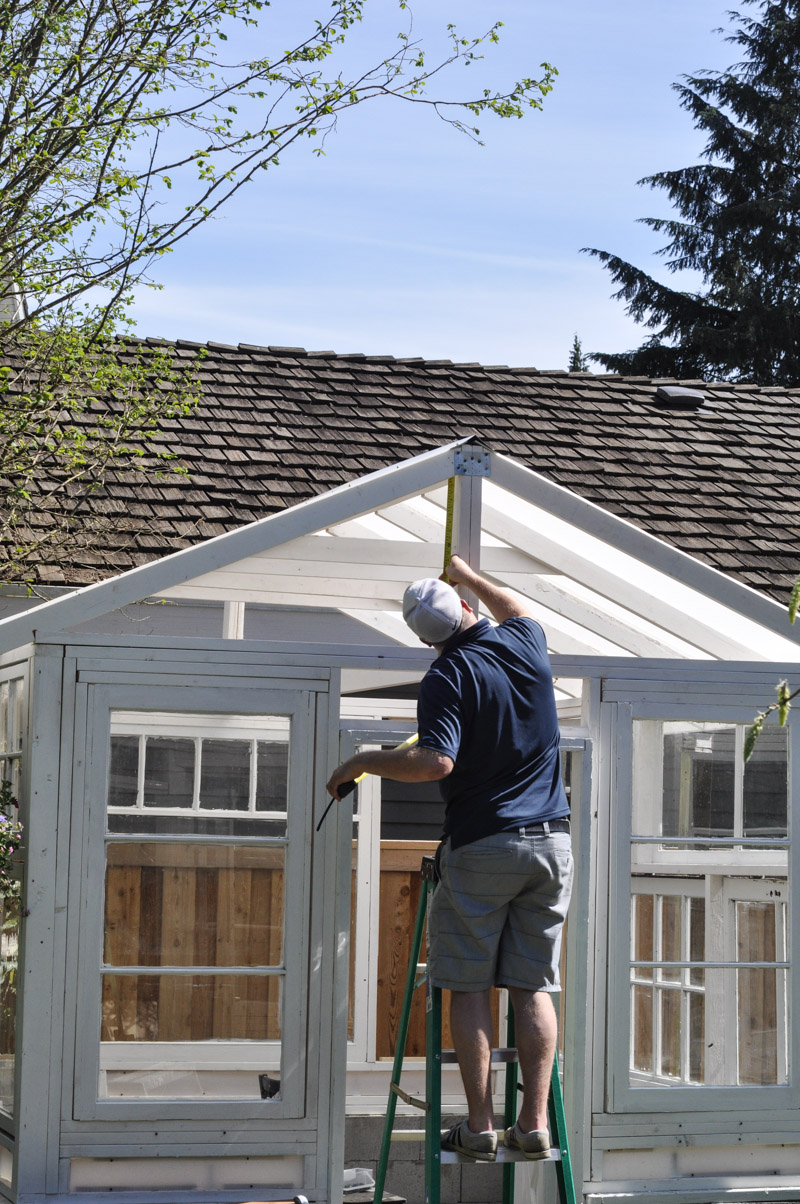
(408, 239)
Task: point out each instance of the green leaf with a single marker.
(794, 601)
(753, 732)
(784, 702)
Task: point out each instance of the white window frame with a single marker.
(685, 889)
(14, 754)
(622, 1096)
(196, 728)
(756, 890)
(648, 803)
(14, 733)
(94, 1056)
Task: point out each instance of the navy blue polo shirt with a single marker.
(488, 703)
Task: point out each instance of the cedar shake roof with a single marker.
(277, 425)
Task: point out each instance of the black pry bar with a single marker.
(344, 789)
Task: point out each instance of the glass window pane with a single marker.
(697, 938)
(351, 997)
(670, 1032)
(698, 783)
(272, 772)
(643, 944)
(732, 1030)
(225, 775)
(642, 1009)
(194, 905)
(9, 959)
(758, 1026)
(670, 935)
(766, 785)
(123, 773)
(16, 700)
(757, 993)
(168, 772)
(189, 1007)
(195, 824)
(697, 1036)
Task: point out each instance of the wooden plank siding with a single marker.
(192, 905)
(210, 905)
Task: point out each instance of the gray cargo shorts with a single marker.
(498, 911)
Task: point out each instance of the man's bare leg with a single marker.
(471, 1026)
(536, 1029)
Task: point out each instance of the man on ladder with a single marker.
(488, 731)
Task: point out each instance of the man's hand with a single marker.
(501, 602)
(458, 571)
(346, 772)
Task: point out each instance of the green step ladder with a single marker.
(435, 1056)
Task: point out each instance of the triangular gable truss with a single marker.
(599, 585)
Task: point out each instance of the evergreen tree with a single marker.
(578, 361)
(739, 224)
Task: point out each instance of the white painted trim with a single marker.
(611, 583)
(467, 519)
(394, 483)
(103, 701)
(233, 620)
(592, 519)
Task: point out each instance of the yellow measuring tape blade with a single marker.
(448, 526)
(406, 744)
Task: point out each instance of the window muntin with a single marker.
(709, 967)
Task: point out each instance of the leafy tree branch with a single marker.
(783, 704)
(106, 105)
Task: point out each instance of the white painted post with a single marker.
(467, 529)
(233, 620)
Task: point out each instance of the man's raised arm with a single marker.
(500, 602)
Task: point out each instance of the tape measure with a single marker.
(448, 527)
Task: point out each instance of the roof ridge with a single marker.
(424, 361)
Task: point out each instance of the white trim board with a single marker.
(395, 483)
(588, 517)
(673, 600)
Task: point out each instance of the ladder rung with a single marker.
(498, 1055)
(503, 1154)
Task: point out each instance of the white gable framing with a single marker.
(599, 585)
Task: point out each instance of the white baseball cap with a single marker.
(432, 610)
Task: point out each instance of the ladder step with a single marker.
(498, 1055)
(503, 1154)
